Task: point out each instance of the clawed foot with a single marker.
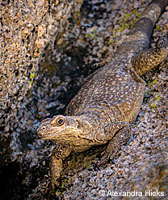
(54, 185)
(115, 145)
(105, 158)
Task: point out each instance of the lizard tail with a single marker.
(139, 38)
(146, 23)
(148, 59)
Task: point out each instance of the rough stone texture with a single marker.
(142, 164)
(28, 28)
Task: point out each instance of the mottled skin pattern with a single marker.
(105, 106)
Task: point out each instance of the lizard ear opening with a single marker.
(58, 121)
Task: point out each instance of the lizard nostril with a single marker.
(40, 131)
(43, 128)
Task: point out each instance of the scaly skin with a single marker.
(105, 106)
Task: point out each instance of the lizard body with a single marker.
(110, 100)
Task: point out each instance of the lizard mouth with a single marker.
(60, 135)
(47, 131)
(42, 129)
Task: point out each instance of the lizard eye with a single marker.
(58, 121)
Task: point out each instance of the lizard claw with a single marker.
(103, 160)
(54, 185)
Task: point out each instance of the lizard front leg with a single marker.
(60, 153)
(56, 169)
(115, 144)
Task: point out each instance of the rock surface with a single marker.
(31, 95)
(29, 30)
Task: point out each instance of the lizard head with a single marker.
(65, 129)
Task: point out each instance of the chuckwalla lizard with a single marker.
(110, 100)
